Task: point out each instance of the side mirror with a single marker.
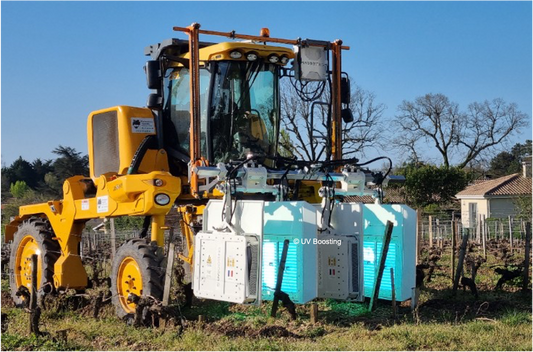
(155, 102)
(347, 115)
(345, 91)
(152, 69)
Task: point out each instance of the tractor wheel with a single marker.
(137, 270)
(34, 236)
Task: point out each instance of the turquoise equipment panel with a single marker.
(297, 222)
(401, 254)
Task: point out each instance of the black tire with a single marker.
(150, 262)
(35, 232)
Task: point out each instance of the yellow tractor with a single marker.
(209, 134)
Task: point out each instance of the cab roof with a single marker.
(178, 48)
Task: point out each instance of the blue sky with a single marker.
(62, 60)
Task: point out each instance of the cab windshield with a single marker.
(243, 111)
(239, 110)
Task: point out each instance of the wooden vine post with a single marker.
(384, 250)
(460, 262)
(526, 260)
(35, 312)
(430, 231)
(454, 233)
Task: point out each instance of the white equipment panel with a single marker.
(340, 254)
(339, 274)
(224, 264)
(311, 63)
(227, 261)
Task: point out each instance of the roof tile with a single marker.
(512, 185)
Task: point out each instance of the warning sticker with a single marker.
(102, 205)
(142, 125)
(84, 204)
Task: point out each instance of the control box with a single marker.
(226, 267)
(340, 254)
(311, 63)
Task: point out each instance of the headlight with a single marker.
(251, 56)
(284, 59)
(162, 199)
(235, 54)
(273, 59)
(158, 182)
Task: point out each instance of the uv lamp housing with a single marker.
(114, 135)
(296, 222)
(401, 253)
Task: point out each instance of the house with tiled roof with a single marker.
(494, 198)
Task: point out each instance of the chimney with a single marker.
(526, 167)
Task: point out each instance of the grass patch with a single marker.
(239, 331)
(516, 318)
(5, 285)
(497, 320)
(29, 343)
(347, 309)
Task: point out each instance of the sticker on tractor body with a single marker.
(142, 125)
(84, 204)
(102, 204)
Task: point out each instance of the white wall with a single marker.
(491, 208)
(482, 209)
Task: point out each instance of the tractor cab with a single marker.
(238, 99)
(219, 103)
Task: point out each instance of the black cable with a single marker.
(231, 177)
(149, 142)
(284, 178)
(146, 224)
(380, 158)
(332, 202)
(376, 159)
(307, 96)
(238, 166)
(352, 161)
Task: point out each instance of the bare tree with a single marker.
(306, 123)
(489, 124)
(296, 122)
(434, 121)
